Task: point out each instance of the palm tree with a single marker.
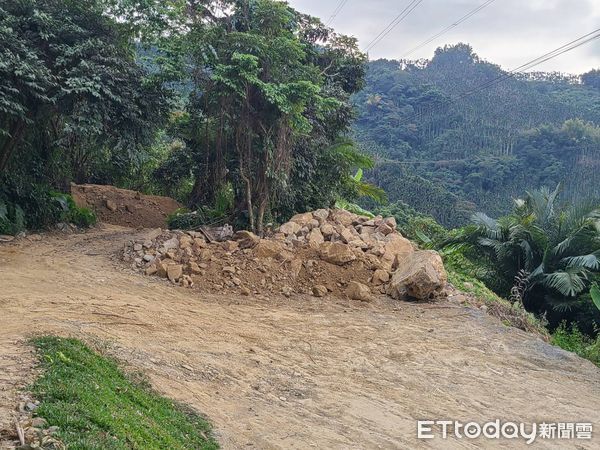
(558, 249)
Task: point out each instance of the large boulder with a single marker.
(304, 219)
(396, 249)
(420, 275)
(315, 238)
(358, 291)
(267, 248)
(336, 253)
(343, 217)
(290, 228)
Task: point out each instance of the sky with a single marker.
(507, 32)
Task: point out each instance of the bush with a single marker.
(71, 213)
(573, 340)
(12, 218)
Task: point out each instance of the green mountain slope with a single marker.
(448, 158)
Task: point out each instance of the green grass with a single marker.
(97, 406)
(573, 340)
(510, 314)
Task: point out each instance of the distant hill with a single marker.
(449, 158)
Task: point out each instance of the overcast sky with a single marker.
(507, 32)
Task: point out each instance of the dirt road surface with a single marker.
(294, 373)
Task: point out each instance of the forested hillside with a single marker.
(450, 158)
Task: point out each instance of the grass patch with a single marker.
(573, 340)
(510, 314)
(97, 406)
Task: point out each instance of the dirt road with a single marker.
(292, 373)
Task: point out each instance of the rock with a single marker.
(229, 269)
(272, 249)
(336, 253)
(385, 229)
(468, 285)
(358, 291)
(6, 238)
(149, 258)
(321, 215)
(303, 219)
(319, 290)
(130, 208)
(396, 248)
(110, 205)
(246, 239)
(152, 234)
(420, 275)
(174, 272)
(390, 222)
(185, 241)
(290, 228)
(327, 230)
(245, 291)
(169, 244)
(194, 268)
(161, 269)
(315, 238)
(380, 277)
(343, 217)
(204, 254)
(346, 235)
(137, 247)
(151, 270)
(287, 291)
(39, 422)
(230, 246)
(29, 406)
(186, 281)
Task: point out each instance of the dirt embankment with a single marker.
(124, 207)
(288, 373)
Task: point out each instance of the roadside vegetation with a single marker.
(96, 406)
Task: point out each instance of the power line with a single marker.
(589, 37)
(394, 23)
(449, 27)
(336, 11)
(537, 61)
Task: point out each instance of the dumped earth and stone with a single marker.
(325, 252)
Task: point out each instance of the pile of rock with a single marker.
(320, 252)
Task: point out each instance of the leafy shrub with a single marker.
(12, 219)
(183, 219)
(573, 340)
(71, 213)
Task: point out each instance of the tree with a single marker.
(69, 84)
(591, 79)
(556, 251)
(271, 92)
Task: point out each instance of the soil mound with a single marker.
(124, 207)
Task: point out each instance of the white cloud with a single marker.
(507, 32)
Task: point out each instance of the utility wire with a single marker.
(336, 11)
(537, 61)
(394, 23)
(449, 27)
(589, 37)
